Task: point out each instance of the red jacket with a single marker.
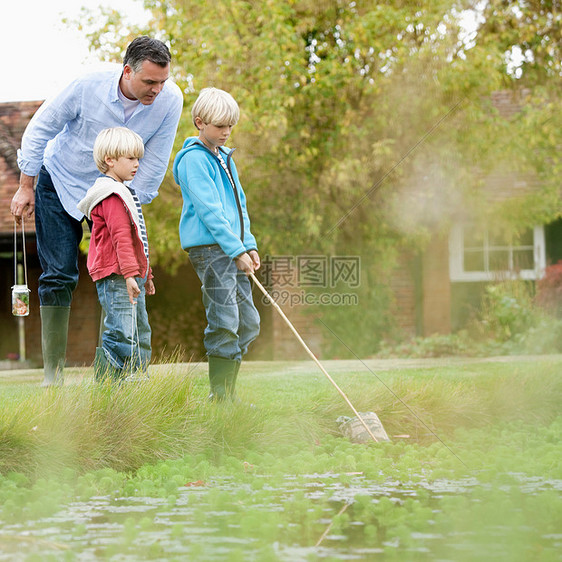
(115, 246)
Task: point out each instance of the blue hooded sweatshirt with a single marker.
(213, 212)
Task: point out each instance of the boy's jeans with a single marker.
(233, 320)
(126, 343)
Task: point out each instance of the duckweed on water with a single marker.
(481, 491)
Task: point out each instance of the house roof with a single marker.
(14, 117)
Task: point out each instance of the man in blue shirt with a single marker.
(57, 147)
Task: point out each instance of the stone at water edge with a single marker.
(354, 430)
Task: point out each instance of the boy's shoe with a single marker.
(103, 368)
(230, 382)
(222, 376)
(137, 376)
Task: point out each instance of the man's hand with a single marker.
(255, 258)
(149, 287)
(23, 202)
(245, 263)
(132, 289)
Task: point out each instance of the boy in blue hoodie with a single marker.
(215, 231)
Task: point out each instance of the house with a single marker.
(437, 291)
(85, 316)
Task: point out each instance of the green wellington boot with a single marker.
(54, 335)
(220, 371)
(231, 382)
(103, 368)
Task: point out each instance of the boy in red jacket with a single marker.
(118, 258)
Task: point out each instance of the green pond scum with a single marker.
(152, 471)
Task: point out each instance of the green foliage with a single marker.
(460, 344)
(530, 29)
(263, 487)
(87, 427)
(544, 336)
(361, 122)
(506, 310)
(510, 322)
(366, 126)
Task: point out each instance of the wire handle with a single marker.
(135, 328)
(16, 252)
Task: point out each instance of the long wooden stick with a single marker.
(293, 329)
(325, 533)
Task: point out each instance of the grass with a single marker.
(85, 426)
(265, 482)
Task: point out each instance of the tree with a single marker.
(529, 35)
(365, 126)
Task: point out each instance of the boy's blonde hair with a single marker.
(114, 143)
(215, 107)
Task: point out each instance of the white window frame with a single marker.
(456, 258)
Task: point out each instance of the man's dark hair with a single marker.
(146, 48)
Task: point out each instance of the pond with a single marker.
(303, 518)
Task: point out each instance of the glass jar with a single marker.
(20, 300)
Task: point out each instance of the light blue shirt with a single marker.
(62, 132)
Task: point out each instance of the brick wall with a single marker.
(85, 314)
(426, 309)
(436, 287)
(14, 117)
(403, 285)
(285, 345)
(509, 103)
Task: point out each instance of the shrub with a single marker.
(507, 310)
(549, 290)
(511, 322)
(436, 345)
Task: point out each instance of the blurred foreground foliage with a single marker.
(474, 460)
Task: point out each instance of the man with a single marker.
(57, 147)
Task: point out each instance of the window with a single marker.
(483, 255)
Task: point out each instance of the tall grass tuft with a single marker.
(90, 426)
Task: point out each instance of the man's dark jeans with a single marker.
(58, 236)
